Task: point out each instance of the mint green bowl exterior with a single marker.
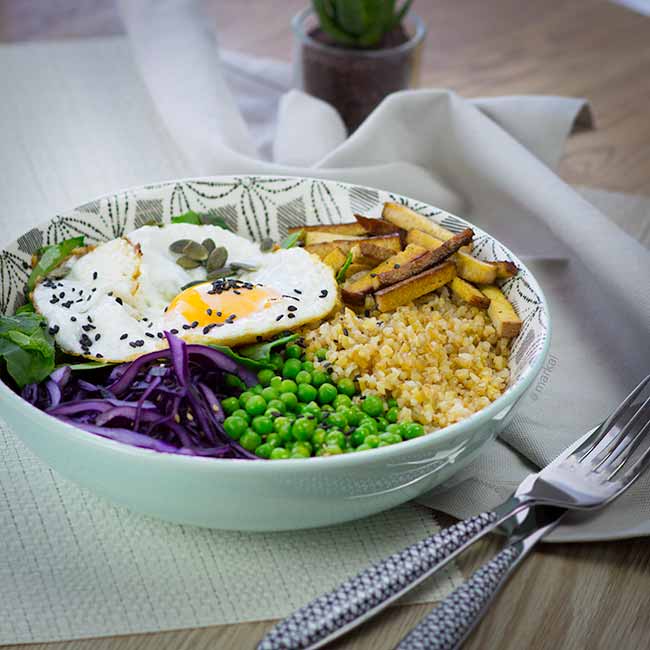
(277, 495)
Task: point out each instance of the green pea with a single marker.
(307, 393)
(255, 405)
(303, 377)
(264, 451)
(335, 438)
(307, 366)
(240, 413)
(413, 430)
(369, 425)
(270, 393)
(392, 403)
(382, 423)
(235, 426)
(279, 453)
(262, 424)
(293, 351)
(300, 453)
(276, 360)
(319, 437)
(383, 443)
(233, 381)
(312, 409)
(250, 440)
(326, 393)
(303, 429)
(372, 440)
(243, 398)
(393, 428)
(402, 429)
(346, 387)
(275, 382)
(290, 400)
(230, 405)
(390, 438)
(321, 354)
(363, 447)
(372, 405)
(355, 415)
(264, 376)
(337, 420)
(318, 378)
(274, 440)
(306, 445)
(257, 389)
(288, 386)
(330, 450)
(282, 425)
(277, 405)
(342, 401)
(357, 437)
(392, 414)
(291, 368)
(327, 408)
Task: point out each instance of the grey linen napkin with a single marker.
(490, 160)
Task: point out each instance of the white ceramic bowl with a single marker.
(261, 495)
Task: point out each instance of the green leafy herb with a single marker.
(27, 347)
(245, 361)
(51, 257)
(340, 276)
(262, 351)
(292, 240)
(203, 218)
(27, 308)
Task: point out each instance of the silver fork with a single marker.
(595, 472)
(587, 475)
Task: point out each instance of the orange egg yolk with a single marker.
(201, 304)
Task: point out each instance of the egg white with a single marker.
(111, 304)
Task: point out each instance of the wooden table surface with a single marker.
(594, 596)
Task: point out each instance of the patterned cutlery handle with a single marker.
(447, 626)
(370, 591)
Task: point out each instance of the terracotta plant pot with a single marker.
(354, 81)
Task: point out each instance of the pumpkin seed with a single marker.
(195, 251)
(217, 274)
(266, 244)
(217, 259)
(209, 245)
(178, 245)
(242, 266)
(187, 262)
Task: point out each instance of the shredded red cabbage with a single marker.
(168, 400)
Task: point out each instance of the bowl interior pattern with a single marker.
(258, 207)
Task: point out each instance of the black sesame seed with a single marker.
(99, 355)
(373, 275)
(67, 304)
(291, 315)
(124, 336)
(73, 319)
(396, 266)
(133, 344)
(208, 312)
(150, 335)
(292, 308)
(94, 289)
(186, 326)
(280, 317)
(345, 331)
(219, 313)
(208, 327)
(54, 300)
(119, 300)
(94, 275)
(174, 330)
(53, 330)
(62, 294)
(297, 291)
(194, 323)
(89, 319)
(160, 335)
(98, 336)
(323, 293)
(139, 343)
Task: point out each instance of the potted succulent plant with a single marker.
(352, 53)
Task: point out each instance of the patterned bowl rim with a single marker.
(500, 407)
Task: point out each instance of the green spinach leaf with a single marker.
(26, 347)
(51, 257)
(203, 218)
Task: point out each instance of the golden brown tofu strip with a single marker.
(505, 269)
(469, 293)
(335, 259)
(376, 226)
(418, 285)
(408, 219)
(315, 237)
(354, 292)
(391, 242)
(501, 312)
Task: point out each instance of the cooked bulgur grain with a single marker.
(439, 358)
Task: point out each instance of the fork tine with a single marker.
(620, 443)
(639, 467)
(593, 441)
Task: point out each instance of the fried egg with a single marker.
(115, 301)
